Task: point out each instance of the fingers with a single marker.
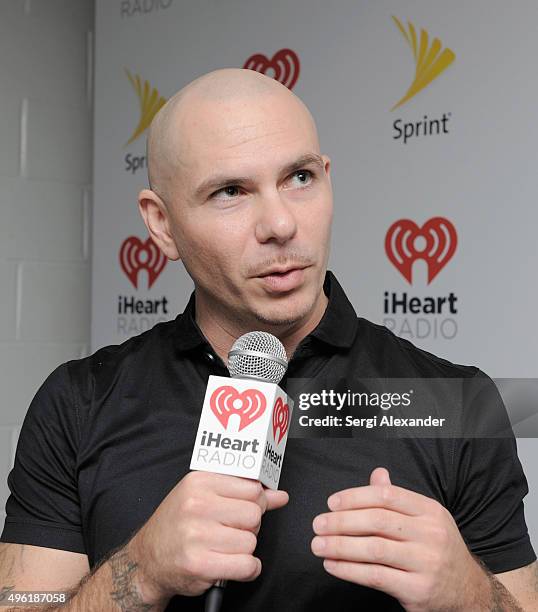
(217, 566)
(392, 581)
(368, 549)
(384, 496)
(380, 476)
(234, 487)
(205, 530)
(243, 514)
(247, 489)
(367, 521)
(229, 486)
(236, 513)
(276, 499)
(228, 540)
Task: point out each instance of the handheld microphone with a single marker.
(244, 422)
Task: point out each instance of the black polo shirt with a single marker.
(107, 437)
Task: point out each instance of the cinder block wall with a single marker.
(45, 199)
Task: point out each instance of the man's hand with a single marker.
(400, 542)
(204, 529)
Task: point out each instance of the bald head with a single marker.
(238, 187)
(202, 104)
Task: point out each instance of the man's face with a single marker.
(253, 196)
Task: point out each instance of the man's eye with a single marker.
(230, 190)
(306, 173)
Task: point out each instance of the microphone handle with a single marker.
(213, 598)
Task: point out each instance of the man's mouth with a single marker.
(284, 279)
(281, 270)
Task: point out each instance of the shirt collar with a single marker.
(337, 327)
(339, 323)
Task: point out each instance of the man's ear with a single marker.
(327, 166)
(155, 215)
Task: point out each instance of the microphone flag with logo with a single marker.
(245, 419)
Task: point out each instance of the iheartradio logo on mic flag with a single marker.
(281, 419)
(226, 402)
(243, 429)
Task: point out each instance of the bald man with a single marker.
(241, 194)
(217, 124)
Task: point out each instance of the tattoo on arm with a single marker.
(123, 572)
(8, 558)
(125, 593)
(6, 590)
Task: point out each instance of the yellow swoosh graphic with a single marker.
(430, 62)
(150, 102)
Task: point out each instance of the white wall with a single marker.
(45, 197)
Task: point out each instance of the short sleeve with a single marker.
(489, 482)
(43, 506)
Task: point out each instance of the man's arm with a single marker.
(34, 568)
(522, 583)
(204, 530)
(117, 580)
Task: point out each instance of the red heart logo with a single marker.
(284, 63)
(440, 241)
(281, 417)
(136, 255)
(226, 400)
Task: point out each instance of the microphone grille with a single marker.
(258, 355)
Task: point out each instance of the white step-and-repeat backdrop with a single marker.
(428, 112)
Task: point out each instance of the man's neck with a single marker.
(221, 334)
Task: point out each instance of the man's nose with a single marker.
(276, 220)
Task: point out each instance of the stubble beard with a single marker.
(284, 319)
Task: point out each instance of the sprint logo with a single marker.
(150, 102)
(431, 60)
